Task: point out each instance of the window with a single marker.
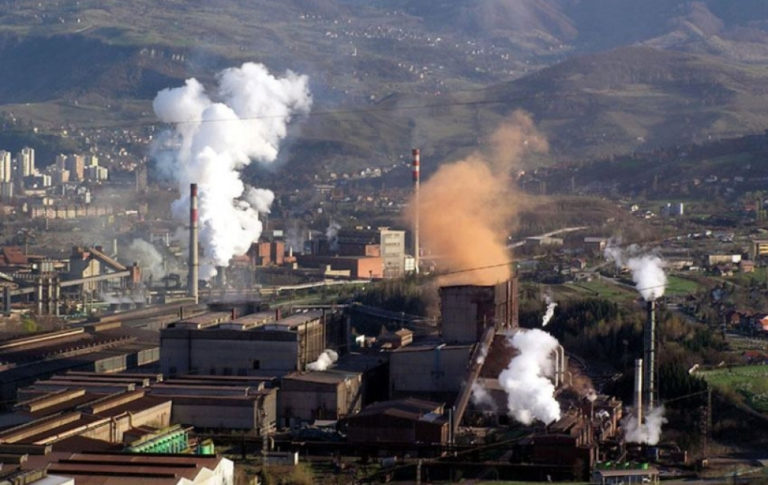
(256, 364)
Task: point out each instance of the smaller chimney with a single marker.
(639, 390)
(416, 153)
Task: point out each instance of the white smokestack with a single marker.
(649, 431)
(324, 360)
(530, 393)
(551, 305)
(647, 270)
(219, 135)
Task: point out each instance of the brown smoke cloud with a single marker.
(468, 207)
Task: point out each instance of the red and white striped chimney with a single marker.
(416, 181)
(194, 262)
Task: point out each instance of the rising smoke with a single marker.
(147, 256)
(647, 269)
(216, 136)
(530, 393)
(649, 431)
(481, 397)
(466, 207)
(324, 360)
(551, 305)
(332, 235)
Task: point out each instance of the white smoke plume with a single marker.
(332, 235)
(324, 360)
(647, 269)
(481, 397)
(216, 136)
(649, 431)
(551, 305)
(147, 256)
(530, 394)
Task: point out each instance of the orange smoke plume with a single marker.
(467, 207)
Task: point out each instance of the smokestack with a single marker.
(416, 181)
(194, 262)
(649, 357)
(639, 390)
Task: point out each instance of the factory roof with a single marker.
(298, 319)
(408, 408)
(426, 347)
(120, 468)
(328, 376)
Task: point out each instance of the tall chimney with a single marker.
(416, 181)
(194, 262)
(649, 357)
(639, 390)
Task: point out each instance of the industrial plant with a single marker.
(363, 242)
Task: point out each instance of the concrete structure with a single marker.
(355, 267)
(386, 243)
(431, 371)
(266, 253)
(283, 346)
(5, 166)
(649, 357)
(76, 166)
(467, 310)
(625, 476)
(404, 421)
(25, 162)
(328, 394)
(416, 153)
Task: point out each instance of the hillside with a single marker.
(386, 75)
(629, 99)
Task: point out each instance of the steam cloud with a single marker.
(649, 431)
(551, 305)
(332, 235)
(481, 396)
(647, 270)
(147, 256)
(530, 394)
(215, 138)
(324, 360)
(469, 203)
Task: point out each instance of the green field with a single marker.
(603, 289)
(677, 286)
(751, 382)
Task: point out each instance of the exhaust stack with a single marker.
(649, 357)
(194, 262)
(416, 182)
(639, 390)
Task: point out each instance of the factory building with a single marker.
(355, 267)
(282, 346)
(404, 421)
(468, 310)
(114, 468)
(389, 244)
(92, 348)
(433, 370)
(328, 394)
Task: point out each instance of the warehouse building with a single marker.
(282, 346)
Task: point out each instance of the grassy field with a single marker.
(677, 286)
(751, 382)
(603, 289)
